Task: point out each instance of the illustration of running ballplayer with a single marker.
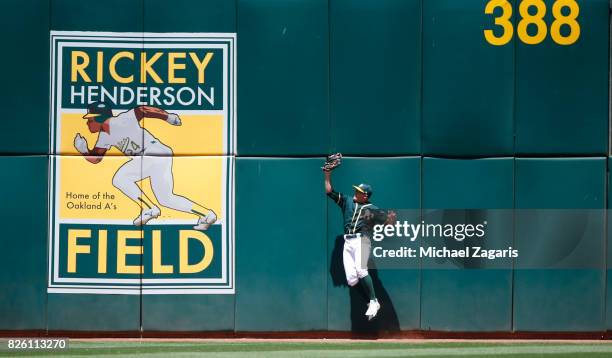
(125, 133)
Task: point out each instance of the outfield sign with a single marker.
(141, 191)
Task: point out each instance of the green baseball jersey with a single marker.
(358, 218)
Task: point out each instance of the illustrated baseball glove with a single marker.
(332, 162)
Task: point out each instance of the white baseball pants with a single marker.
(355, 257)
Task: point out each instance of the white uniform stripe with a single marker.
(358, 216)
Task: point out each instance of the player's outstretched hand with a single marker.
(80, 143)
(173, 119)
(391, 217)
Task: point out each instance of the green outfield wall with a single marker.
(424, 109)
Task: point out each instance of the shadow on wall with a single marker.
(387, 320)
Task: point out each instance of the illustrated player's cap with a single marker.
(364, 188)
(99, 111)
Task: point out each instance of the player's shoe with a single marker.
(204, 222)
(370, 308)
(147, 215)
(373, 308)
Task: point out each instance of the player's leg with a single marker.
(362, 257)
(159, 169)
(125, 180)
(348, 260)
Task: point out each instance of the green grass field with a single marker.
(322, 348)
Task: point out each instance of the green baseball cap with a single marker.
(364, 188)
(99, 111)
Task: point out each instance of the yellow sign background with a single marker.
(199, 178)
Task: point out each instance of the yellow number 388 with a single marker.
(536, 19)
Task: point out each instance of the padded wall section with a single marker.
(559, 280)
(88, 312)
(280, 247)
(468, 83)
(187, 311)
(25, 95)
(95, 311)
(609, 256)
(561, 91)
(23, 279)
(112, 15)
(375, 69)
(283, 86)
(483, 292)
(396, 184)
(189, 16)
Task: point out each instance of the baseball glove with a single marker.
(332, 162)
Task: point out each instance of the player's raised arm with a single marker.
(94, 155)
(328, 184)
(333, 161)
(154, 112)
(329, 190)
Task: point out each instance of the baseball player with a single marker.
(359, 217)
(124, 132)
